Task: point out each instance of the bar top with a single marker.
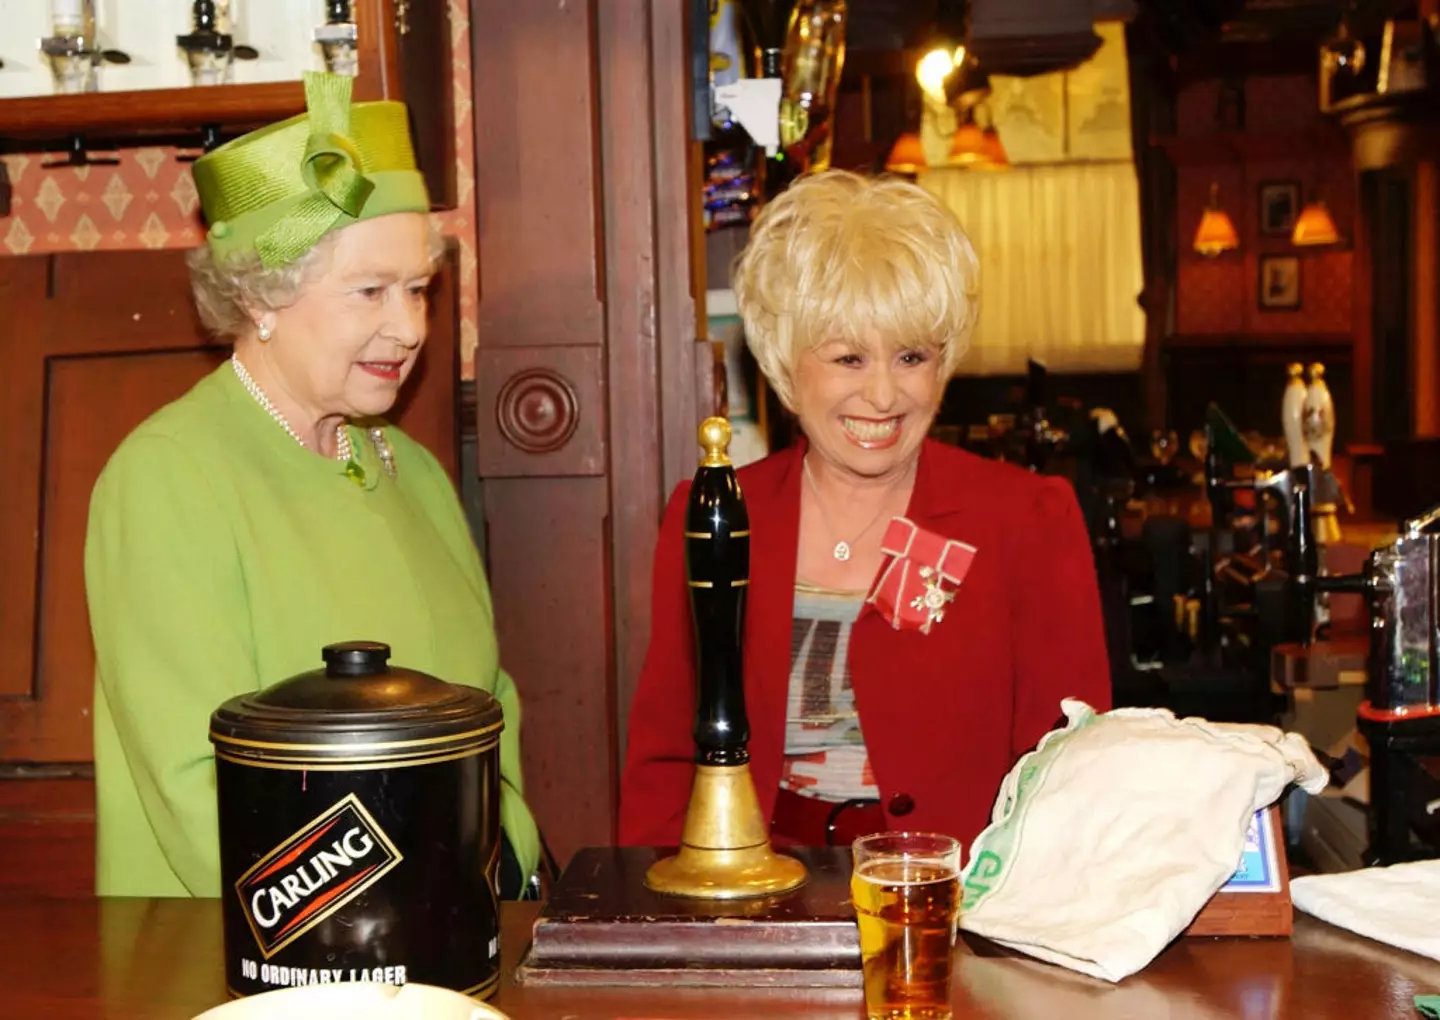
(161, 959)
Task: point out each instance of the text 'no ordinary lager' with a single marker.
(907, 908)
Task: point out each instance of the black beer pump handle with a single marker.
(1304, 555)
(717, 568)
(1346, 584)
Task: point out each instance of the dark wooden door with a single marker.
(90, 345)
(586, 371)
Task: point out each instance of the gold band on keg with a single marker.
(371, 748)
(355, 763)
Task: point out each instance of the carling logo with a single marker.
(314, 873)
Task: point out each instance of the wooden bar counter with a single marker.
(161, 960)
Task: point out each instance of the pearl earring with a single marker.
(263, 332)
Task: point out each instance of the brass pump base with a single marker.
(724, 850)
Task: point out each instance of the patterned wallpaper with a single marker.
(149, 201)
(1220, 295)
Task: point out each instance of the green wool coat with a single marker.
(221, 557)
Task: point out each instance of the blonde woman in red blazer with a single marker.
(915, 613)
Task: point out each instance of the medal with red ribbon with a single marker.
(912, 591)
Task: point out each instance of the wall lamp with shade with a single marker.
(907, 155)
(1314, 226)
(977, 148)
(1216, 233)
(967, 145)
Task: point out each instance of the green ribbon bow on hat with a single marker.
(277, 191)
(332, 169)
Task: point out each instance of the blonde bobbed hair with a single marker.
(838, 255)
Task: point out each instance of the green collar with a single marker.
(364, 469)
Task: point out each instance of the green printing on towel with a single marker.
(995, 847)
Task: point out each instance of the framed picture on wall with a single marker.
(1279, 205)
(1279, 283)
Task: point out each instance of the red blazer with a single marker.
(945, 715)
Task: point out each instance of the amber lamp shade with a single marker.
(1216, 233)
(1314, 226)
(968, 147)
(907, 155)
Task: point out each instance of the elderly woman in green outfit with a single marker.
(266, 513)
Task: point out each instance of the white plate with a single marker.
(356, 1001)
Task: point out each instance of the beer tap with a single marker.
(73, 49)
(1285, 599)
(1400, 716)
(209, 46)
(1224, 448)
(724, 847)
(338, 38)
(1294, 491)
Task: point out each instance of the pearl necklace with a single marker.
(343, 450)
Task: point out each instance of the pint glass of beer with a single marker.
(906, 888)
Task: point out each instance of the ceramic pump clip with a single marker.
(724, 848)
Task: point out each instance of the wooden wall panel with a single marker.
(22, 403)
(556, 645)
(685, 371)
(68, 354)
(632, 300)
(426, 72)
(47, 837)
(536, 177)
(92, 404)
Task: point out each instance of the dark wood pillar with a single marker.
(1425, 342)
(1425, 207)
(1362, 315)
(585, 365)
(1396, 142)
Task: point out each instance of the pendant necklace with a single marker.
(344, 452)
(843, 550)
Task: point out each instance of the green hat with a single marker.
(278, 190)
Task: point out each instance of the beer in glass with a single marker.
(906, 889)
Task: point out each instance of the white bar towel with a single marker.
(1398, 905)
(1109, 837)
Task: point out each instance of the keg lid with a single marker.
(357, 699)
